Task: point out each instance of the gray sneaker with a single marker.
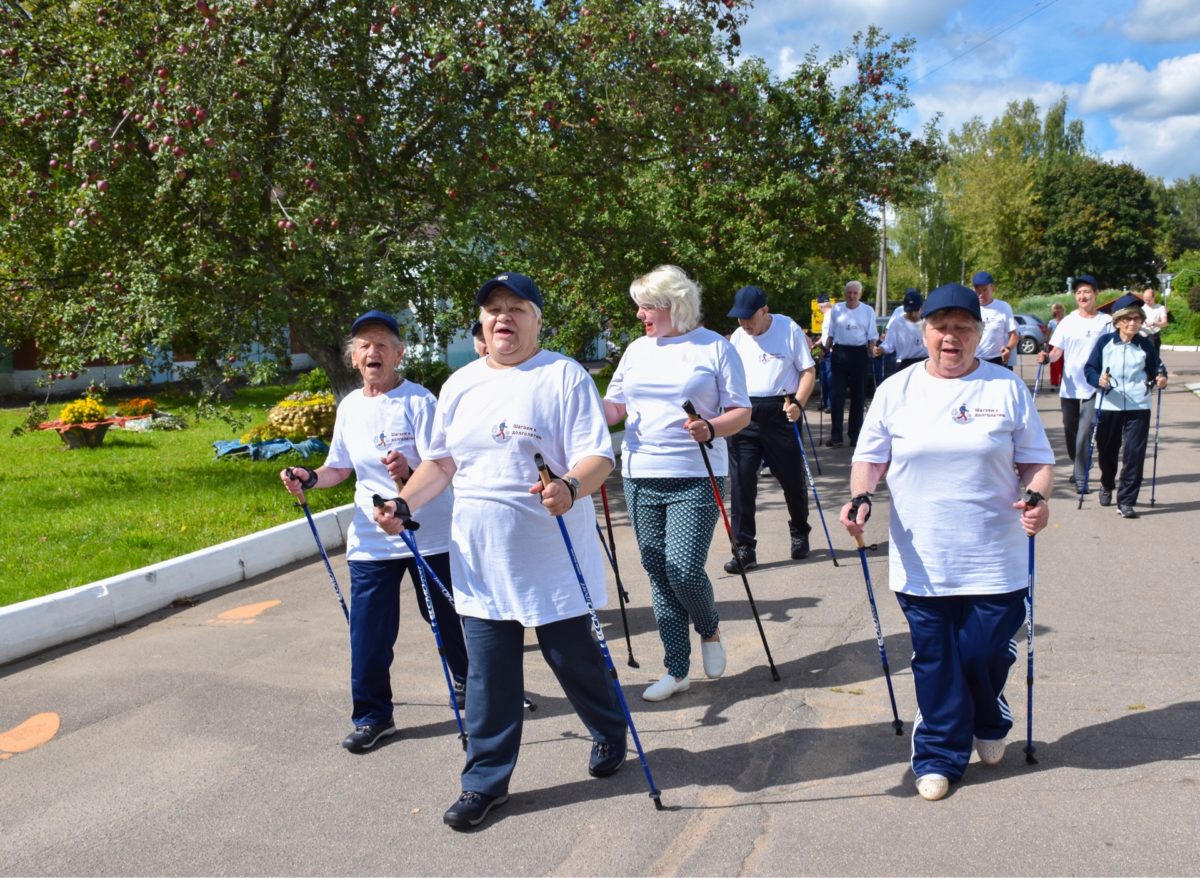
(748, 558)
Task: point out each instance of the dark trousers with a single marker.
(826, 379)
(849, 370)
(375, 621)
(962, 650)
(1125, 432)
(496, 692)
(770, 436)
(1078, 415)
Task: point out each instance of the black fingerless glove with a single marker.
(307, 483)
(402, 511)
(860, 500)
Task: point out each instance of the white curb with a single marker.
(52, 620)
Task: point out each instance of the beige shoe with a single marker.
(665, 688)
(932, 787)
(990, 752)
(713, 655)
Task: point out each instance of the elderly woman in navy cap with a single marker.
(388, 421)
(1124, 365)
(511, 568)
(959, 440)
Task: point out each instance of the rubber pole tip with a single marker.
(899, 727)
(658, 805)
(775, 675)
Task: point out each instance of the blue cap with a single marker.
(477, 329)
(952, 296)
(519, 285)
(981, 278)
(822, 298)
(747, 301)
(1085, 279)
(1130, 304)
(912, 300)
(379, 317)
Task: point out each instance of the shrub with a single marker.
(1193, 299)
(430, 374)
(83, 411)
(132, 408)
(314, 380)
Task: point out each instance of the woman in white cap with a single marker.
(958, 439)
(1124, 365)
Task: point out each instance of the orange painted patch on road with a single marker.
(245, 615)
(34, 732)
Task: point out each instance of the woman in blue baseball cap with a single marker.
(386, 423)
(958, 440)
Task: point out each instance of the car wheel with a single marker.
(1028, 345)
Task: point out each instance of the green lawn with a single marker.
(72, 517)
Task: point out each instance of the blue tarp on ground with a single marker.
(270, 449)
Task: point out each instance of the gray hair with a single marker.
(669, 286)
(856, 284)
(348, 344)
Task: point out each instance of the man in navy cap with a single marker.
(1072, 342)
(999, 325)
(775, 355)
(903, 336)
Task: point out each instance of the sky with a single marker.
(1130, 69)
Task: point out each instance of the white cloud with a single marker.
(1164, 21)
(959, 102)
(1170, 89)
(1164, 148)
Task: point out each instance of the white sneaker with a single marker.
(665, 688)
(990, 752)
(932, 787)
(714, 658)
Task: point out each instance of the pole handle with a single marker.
(543, 470)
(858, 540)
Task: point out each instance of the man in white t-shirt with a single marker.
(848, 335)
(1072, 342)
(999, 325)
(775, 356)
(1156, 319)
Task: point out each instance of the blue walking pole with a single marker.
(312, 525)
(1154, 470)
(1029, 748)
(811, 444)
(1092, 443)
(655, 794)
(1037, 382)
(812, 484)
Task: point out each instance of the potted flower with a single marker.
(82, 423)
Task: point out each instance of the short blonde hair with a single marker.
(669, 286)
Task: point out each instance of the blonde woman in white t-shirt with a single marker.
(666, 485)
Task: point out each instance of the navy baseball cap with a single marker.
(981, 278)
(747, 301)
(1127, 305)
(380, 317)
(822, 298)
(912, 300)
(519, 285)
(477, 329)
(1085, 279)
(952, 296)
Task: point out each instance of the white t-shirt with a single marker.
(998, 322)
(852, 327)
(905, 338)
(1077, 336)
(653, 379)
(366, 429)
(1154, 313)
(507, 555)
(952, 445)
(774, 360)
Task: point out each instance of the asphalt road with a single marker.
(204, 740)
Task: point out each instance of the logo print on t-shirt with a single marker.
(381, 440)
(500, 432)
(960, 415)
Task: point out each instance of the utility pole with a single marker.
(881, 281)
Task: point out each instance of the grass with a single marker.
(73, 517)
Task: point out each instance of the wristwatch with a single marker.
(572, 484)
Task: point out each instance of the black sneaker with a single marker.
(460, 693)
(833, 443)
(799, 547)
(363, 738)
(1105, 497)
(471, 809)
(749, 560)
(607, 759)
(1126, 511)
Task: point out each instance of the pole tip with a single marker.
(657, 797)
(775, 675)
(633, 662)
(898, 725)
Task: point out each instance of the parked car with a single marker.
(1032, 334)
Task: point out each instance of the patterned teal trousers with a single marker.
(673, 520)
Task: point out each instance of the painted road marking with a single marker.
(244, 615)
(34, 732)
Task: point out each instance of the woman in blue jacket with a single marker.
(1124, 366)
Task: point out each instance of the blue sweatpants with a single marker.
(962, 650)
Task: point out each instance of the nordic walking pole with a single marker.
(622, 596)
(887, 672)
(1029, 748)
(1092, 443)
(1154, 470)
(655, 794)
(691, 413)
(811, 444)
(402, 513)
(1037, 381)
(320, 547)
(811, 483)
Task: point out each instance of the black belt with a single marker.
(777, 398)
